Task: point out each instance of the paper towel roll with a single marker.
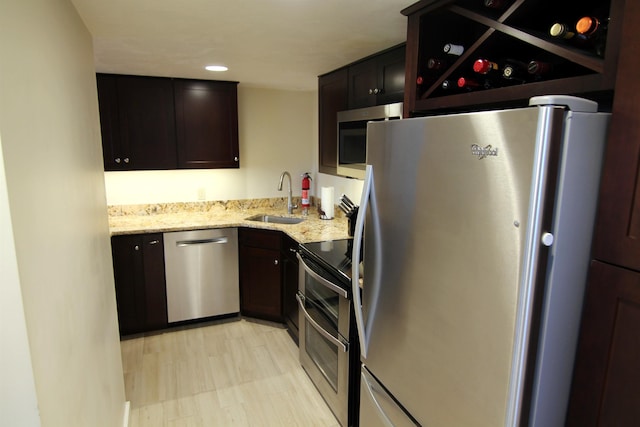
(327, 204)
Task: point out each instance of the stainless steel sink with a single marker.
(276, 219)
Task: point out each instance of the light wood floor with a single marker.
(236, 372)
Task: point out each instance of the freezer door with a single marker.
(377, 407)
(443, 258)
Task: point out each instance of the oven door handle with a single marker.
(321, 279)
(338, 343)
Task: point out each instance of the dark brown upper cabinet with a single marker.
(206, 124)
(152, 123)
(137, 121)
(332, 97)
(377, 80)
(517, 33)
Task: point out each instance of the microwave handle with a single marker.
(321, 279)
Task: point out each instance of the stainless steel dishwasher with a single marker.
(201, 268)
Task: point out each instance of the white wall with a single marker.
(18, 401)
(56, 211)
(351, 187)
(278, 131)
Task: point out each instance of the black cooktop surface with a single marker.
(334, 255)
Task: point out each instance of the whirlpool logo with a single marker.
(482, 152)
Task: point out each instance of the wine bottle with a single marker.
(539, 69)
(485, 66)
(563, 31)
(468, 84)
(495, 4)
(594, 30)
(515, 71)
(453, 49)
(511, 72)
(436, 64)
(590, 26)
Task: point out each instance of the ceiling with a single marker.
(282, 44)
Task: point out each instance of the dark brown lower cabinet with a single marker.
(260, 273)
(606, 382)
(290, 285)
(138, 266)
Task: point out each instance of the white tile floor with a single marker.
(236, 372)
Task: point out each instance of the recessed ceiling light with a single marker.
(216, 68)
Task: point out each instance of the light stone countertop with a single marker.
(134, 219)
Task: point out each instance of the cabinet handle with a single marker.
(117, 159)
(136, 248)
(235, 159)
(126, 160)
(370, 91)
(154, 242)
(275, 262)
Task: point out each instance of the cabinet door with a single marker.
(206, 124)
(260, 283)
(617, 237)
(378, 80)
(154, 282)
(128, 269)
(290, 285)
(332, 97)
(391, 72)
(606, 383)
(147, 123)
(109, 124)
(363, 84)
(138, 267)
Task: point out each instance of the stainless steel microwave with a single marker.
(352, 136)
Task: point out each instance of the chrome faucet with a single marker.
(290, 205)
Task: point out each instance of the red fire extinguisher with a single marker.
(306, 185)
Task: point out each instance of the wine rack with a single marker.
(518, 32)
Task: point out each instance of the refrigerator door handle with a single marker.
(383, 416)
(534, 239)
(393, 416)
(355, 257)
(367, 203)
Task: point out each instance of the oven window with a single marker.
(321, 303)
(323, 353)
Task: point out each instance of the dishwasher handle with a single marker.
(220, 240)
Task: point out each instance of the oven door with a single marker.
(324, 326)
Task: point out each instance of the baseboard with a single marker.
(125, 419)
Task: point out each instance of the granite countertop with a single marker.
(133, 219)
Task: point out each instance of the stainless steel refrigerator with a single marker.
(476, 230)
